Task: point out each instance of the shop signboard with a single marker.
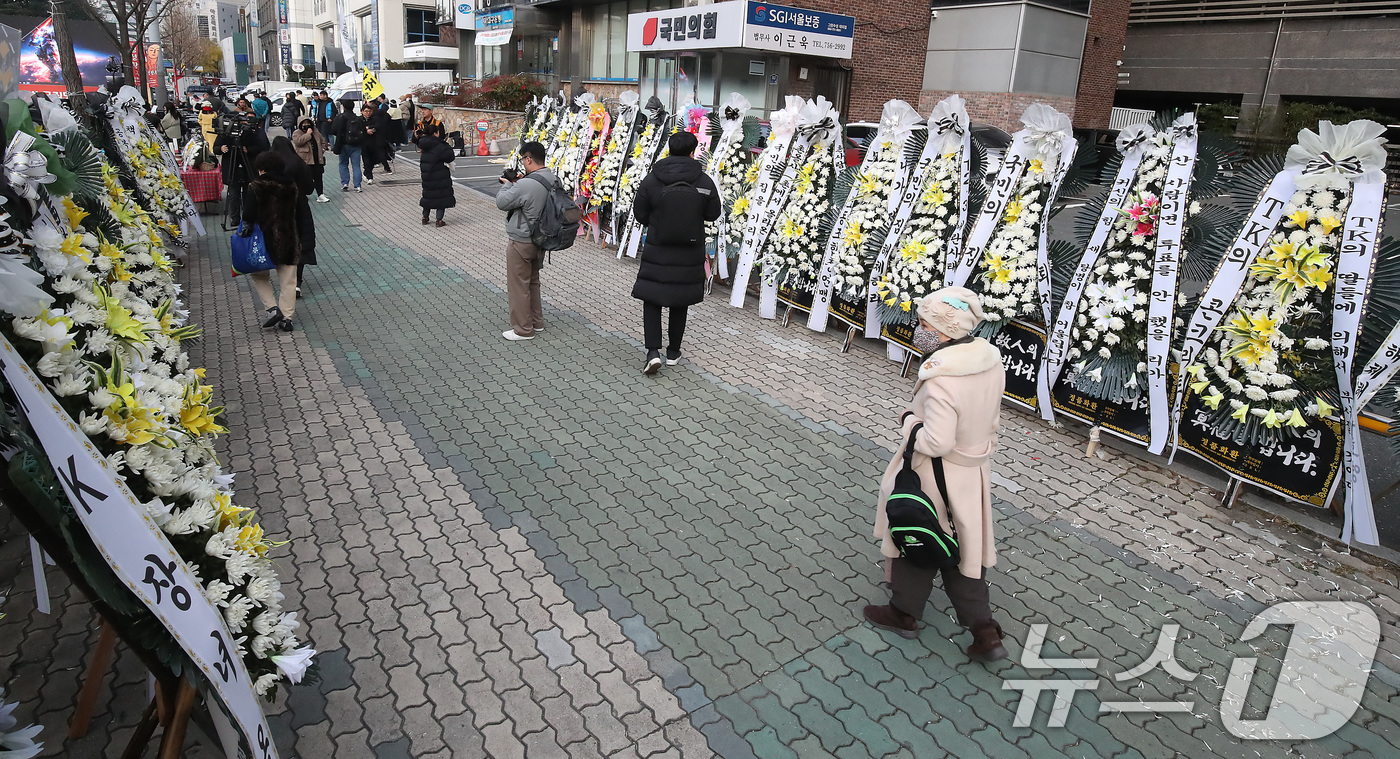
(495, 28)
(465, 17)
(797, 30)
(696, 28)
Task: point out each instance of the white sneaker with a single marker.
(323, 199)
(369, 181)
(357, 189)
(510, 334)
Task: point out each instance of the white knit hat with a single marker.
(954, 311)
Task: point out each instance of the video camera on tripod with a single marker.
(234, 125)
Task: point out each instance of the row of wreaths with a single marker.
(1206, 302)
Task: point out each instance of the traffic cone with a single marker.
(495, 149)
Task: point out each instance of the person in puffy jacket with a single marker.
(312, 146)
(272, 205)
(674, 201)
(435, 166)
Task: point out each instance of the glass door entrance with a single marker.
(678, 78)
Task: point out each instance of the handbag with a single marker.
(250, 253)
(913, 520)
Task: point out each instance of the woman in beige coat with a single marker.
(958, 400)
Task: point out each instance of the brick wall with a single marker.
(1098, 73)
(887, 60)
(1000, 109)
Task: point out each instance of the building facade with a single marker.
(1261, 54)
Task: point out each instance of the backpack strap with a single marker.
(938, 475)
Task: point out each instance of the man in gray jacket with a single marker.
(523, 200)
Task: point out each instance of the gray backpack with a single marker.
(558, 224)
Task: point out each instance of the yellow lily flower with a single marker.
(1324, 408)
(905, 304)
(1300, 217)
(1296, 419)
(889, 302)
(1213, 400)
(1282, 249)
(1037, 166)
(867, 185)
(250, 539)
(73, 246)
(1318, 277)
(1198, 387)
(853, 237)
(1240, 413)
(120, 322)
(1329, 223)
(1271, 420)
(74, 214)
(1014, 209)
(1195, 370)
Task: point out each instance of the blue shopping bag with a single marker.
(250, 253)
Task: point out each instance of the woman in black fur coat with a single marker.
(271, 203)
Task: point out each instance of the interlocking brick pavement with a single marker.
(529, 549)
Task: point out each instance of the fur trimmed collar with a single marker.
(961, 360)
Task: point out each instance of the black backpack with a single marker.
(355, 131)
(558, 224)
(914, 526)
(681, 205)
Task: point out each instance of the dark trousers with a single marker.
(651, 318)
(318, 173)
(912, 585)
(234, 204)
(439, 214)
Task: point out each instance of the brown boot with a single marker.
(894, 620)
(986, 644)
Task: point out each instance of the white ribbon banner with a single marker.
(626, 116)
(1008, 176)
(1068, 147)
(732, 132)
(1228, 280)
(913, 170)
(1355, 262)
(1057, 345)
(632, 231)
(826, 277)
(138, 552)
(1161, 308)
(955, 242)
(768, 290)
(774, 158)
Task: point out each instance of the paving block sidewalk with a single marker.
(529, 549)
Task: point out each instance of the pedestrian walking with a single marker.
(292, 110)
(396, 133)
(348, 131)
(263, 108)
(523, 199)
(323, 110)
(674, 201)
(272, 205)
(376, 144)
(311, 146)
(952, 425)
(171, 123)
(306, 179)
(435, 166)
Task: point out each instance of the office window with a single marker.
(420, 25)
(308, 55)
(607, 42)
(204, 27)
(366, 37)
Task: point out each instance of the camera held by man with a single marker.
(239, 142)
